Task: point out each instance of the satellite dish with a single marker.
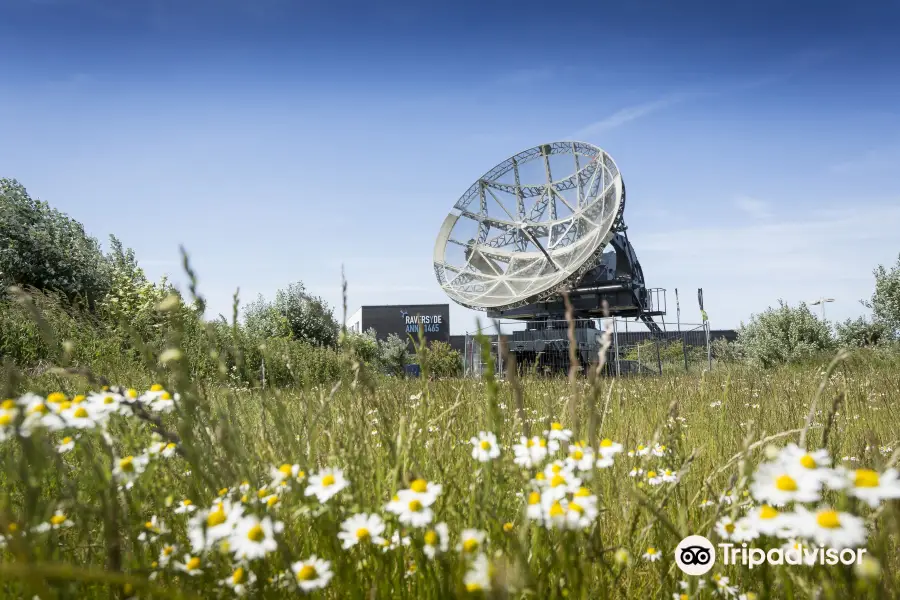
(530, 227)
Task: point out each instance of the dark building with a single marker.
(405, 320)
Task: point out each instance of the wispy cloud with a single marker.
(630, 113)
(758, 209)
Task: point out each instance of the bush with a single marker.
(885, 301)
(439, 359)
(43, 248)
(296, 314)
(726, 351)
(783, 335)
(393, 354)
(860, 332)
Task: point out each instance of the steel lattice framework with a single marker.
(506, 243)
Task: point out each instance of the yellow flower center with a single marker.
(556, 426)
(557, 481)
(272, 501)
(41, 408)
(470, 545)
(528, 444)
(507, 527)
(56, 398)
(419, 486)
(786, 483)
(12, 527)
(583, 492)
(431, 537)
(828, 519)
(540, 476)
(485, 445)
(578, 455)
(576, 507)
(285, 469)
(81, 413)
(127, 464)
(217, 517)
(808, 461)
(651, 474)
(651, 551)
(534, 498)
(78, 399)
(542, 443)
(362, 534)
(108, 400)
(307, 573)
(149, 524)
(256, 534)
(239, 576)
(132, 393)
(65, 405)
(606, 443)
(729, 527)
(556, 468)
(473, 587)
(261, 493)
(8, 404)
(683, 597)
(170, 446)
(767, 512)
(186, 502)
(415, 506)
(640, 447)
(5, 419)
(156, 388)
(557, 510)
(866, 478)
(223, 491)
(165, 396)
(328, 480)
(168, 550)
(193, 563)
(58, 519)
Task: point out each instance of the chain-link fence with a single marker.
(542, 348)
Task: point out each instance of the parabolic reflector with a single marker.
(522, 233)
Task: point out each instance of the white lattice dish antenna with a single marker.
(512, 239)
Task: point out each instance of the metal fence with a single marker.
(543, 348)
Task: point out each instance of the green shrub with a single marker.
(783, 335)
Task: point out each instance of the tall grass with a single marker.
(386, 433)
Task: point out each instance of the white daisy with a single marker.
(185, 507)
(239, 581)
(312, 573)
(59, 520)
(471, 540)
(485, 447)
(777, 485)
(767, 521)
(210, 526)
(190, 565)
(558, 433)
(478, 577)
(128, 469)
(326, 483)
(581, 457)
(254, 537)
(872, 487)
(652, 554)
(437, 540)
(531, 452)
(609, 448)
(360, 529)
(830, 528)
(67, 444)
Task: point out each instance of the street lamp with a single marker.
(822, 301)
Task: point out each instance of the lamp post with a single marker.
(823, 302)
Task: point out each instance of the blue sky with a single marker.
(278, 140)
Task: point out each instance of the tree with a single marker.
(393, 354)
(296, 314)
(45, 249)
(439, 359)
(885, 301)
(784, 334)
(861, 332)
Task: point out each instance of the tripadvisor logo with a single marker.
(695, 555)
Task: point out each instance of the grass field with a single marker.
(95, 502)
